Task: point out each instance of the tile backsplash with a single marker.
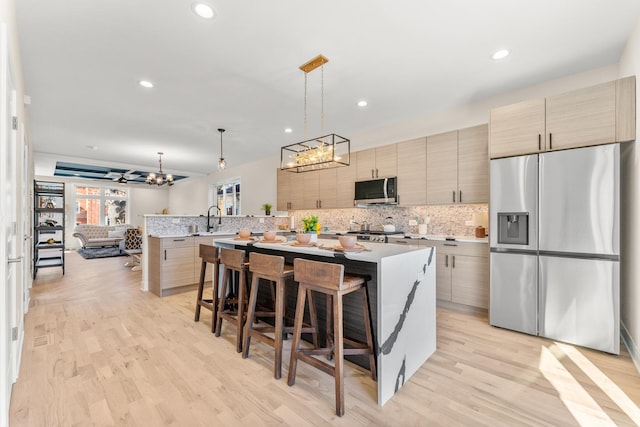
(444, 219)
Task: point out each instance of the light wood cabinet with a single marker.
(377, 162)
(322, 189)
(600, 114)
(283, 189)
(462, 271)
(581, 117)
(345, 185)
(442, 168)
(458, 166)
(473, 164)
(517, 129)
(412, 172)
(175, 263)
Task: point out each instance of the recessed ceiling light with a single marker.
(288, 130)
(145, 83)
(503, 53)
(362, 103)
(203, 10)
(91, 147)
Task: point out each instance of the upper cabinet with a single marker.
(458, 166)
(473, 164)
(412, 172)
(442, 168)
(380, 162)
(599, 114)
(320, 189)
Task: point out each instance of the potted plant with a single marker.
(311, 225)
(266, 207)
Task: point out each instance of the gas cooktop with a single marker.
(377, 232)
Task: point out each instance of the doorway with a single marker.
(11, 307)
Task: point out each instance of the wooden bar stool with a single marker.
(234, 261)
(209, 255)
(330, 280)
(272, 269)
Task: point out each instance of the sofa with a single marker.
(96, 236)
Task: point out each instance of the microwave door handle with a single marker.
(386, 194)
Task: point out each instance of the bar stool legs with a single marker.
(272, 269)
(233, 261)
(209, 254)
(329, 279)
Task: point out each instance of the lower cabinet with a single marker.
(174, 262)
(462, 271)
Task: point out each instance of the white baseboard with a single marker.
(631, 346)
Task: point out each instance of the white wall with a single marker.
(144, 200)
(257, 186)
(630, 274)
(189, 197)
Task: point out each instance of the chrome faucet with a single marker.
(215, 226)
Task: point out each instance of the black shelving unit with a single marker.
(48, 225)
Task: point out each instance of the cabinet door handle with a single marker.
(550, 141)
(453, 261)
(178, 240)
(376, 172)
(454, 196)
(320, 204)
(460, 198)
(449, 244)
(165, 254)
(539, 142)
(446, 260)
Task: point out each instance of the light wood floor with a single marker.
(98, 351)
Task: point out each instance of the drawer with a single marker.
(177, 242)
(461, 248)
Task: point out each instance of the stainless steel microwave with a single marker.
(377, 191)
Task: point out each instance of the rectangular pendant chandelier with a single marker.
(324, 152)
(329, 151)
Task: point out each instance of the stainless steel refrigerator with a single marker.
(555, 245)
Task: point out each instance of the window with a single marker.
(101, 205)
(227, 197)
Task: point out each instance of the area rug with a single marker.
(92, 253)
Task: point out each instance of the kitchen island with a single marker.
(402, 297)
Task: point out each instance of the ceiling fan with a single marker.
(122, 178)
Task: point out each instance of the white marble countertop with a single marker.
(464, 239)
(374, 253)
(202, 234)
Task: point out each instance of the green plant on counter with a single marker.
(310, 223)
(266, 207)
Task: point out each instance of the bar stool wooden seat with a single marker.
(272, 269)
(233, 261)
(330, 280)
(209, 255)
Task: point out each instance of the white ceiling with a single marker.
(82, 61)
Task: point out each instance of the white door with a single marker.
(10, 295)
